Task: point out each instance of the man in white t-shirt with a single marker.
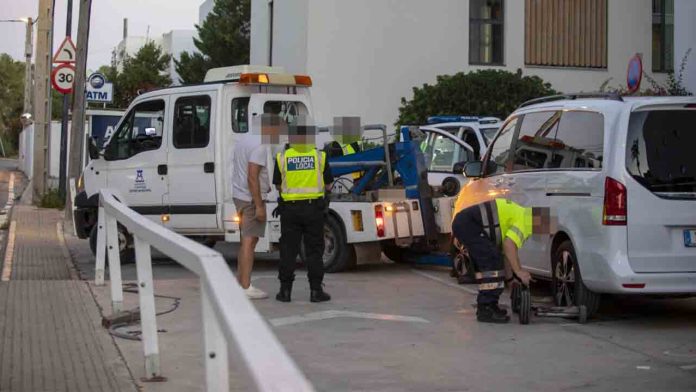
(250, 186)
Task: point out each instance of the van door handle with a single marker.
(209, 167)
(162, 170)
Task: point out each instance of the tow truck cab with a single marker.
(170, 157)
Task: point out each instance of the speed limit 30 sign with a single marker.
(62, 78)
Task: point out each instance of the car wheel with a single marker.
(568, 287)
(125, 244)
(338, 255)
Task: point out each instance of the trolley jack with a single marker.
(521, 303)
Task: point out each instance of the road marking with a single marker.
(643, 367)
(331, 314)
(450, 284)
(9, 253)
(688, 367)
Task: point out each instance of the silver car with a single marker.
(620, 176)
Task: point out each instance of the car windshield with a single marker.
(659, 151)
(488, 134)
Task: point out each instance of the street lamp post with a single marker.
(28, 51)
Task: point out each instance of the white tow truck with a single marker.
(170, 159)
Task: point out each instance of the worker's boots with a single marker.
(284, 293)
(491, 313)
(319, 295)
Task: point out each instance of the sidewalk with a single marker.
(50, 333)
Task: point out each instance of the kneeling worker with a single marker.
(487, 228)
(302, 177)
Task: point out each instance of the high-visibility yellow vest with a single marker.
(347, 150)
(515, 221)
(302, 174)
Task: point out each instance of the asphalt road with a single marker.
(395, 327)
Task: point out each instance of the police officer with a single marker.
(302, 177)
(485, 229)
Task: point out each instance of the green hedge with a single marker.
(483, 92)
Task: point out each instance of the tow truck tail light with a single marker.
(379, 220)
(615, 211)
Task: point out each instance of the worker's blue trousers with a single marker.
(468, 228)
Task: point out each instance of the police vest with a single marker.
(302, 174)
(505, 219)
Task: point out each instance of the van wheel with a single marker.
(125, 244)
(568, 287)
(338, 255)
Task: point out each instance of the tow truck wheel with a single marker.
(338, 255)
(568, 287)
(125, 244)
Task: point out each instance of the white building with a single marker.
(172, 43)
(364, 55)
(204, 9)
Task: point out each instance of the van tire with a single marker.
(339, 256)
(567, 292)
(127, 254)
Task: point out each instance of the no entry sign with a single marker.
(62, 78)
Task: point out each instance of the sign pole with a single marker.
(62, 183)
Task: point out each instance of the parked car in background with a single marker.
(618, 173)
(450, 142)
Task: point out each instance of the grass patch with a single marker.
(52, 199)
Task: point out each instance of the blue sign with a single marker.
(634, 74)
(98, 90)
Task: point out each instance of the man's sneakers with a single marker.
(254, 293)
(491, 313)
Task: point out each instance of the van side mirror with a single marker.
(458, 167)
(473, 169)
(92, 148)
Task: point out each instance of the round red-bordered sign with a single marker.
(62, 78)
(634, 73)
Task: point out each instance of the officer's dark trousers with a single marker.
(302, 221)
(485, 255)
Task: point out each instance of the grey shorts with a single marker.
(250, 227)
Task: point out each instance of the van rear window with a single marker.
(660, 151)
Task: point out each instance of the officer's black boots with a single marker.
(284, 293)
(491, 313)
(319, 295)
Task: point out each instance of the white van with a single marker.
(619, 173)
(171, 160)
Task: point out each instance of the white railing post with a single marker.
(214, 345)
(114, 263)
(101, 247)
(148, 316)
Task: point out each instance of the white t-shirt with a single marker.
(240, 166)
(262, 156)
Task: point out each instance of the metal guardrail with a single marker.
(227, 314)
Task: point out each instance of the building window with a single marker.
(486, 32)
(663, 35)
(566, 33)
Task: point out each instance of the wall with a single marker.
(205, 8)
(685, 38)
(364, 55)
(174, 43)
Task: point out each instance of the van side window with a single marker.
(499, 152)
(240, 115)
(535, 144)
(191, 122)
(580, 141)
(140, 131)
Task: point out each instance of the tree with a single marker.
(142, 72)
(11, 97)
(223, 40)
(482, 92)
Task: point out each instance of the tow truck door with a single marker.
(191, 164)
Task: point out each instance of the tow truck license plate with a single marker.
(690, 238)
